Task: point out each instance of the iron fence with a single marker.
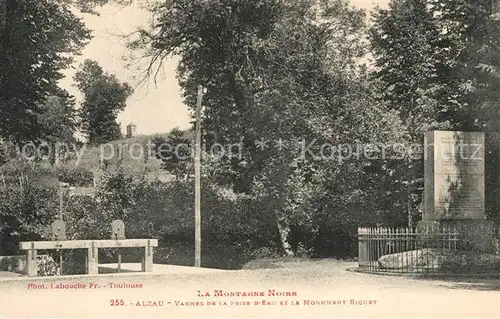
(405, 250)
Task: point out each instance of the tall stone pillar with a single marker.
(454, 191)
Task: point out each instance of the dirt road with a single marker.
(321, 289)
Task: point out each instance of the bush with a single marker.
(47, 266)
(232, 224)
(165, 211)
(26, 214)
(265, 253)
(76, 176)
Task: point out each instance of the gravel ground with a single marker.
(305, 289)
(8, 274)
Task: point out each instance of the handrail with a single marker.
(92, 246)
(82, 244)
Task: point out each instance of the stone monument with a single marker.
(454, 190)
(118, 229)
(58, 230)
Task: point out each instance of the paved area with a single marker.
(8, 274)
(322, 289)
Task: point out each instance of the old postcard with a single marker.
(249, 159)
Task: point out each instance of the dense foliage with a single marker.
(150, 209)
(436, 62)
(103, 98)
(33, 54)
(276, 72)
(316, 141)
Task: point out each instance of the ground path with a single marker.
(322, 289)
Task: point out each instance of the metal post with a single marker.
(197, 174)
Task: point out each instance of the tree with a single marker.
(435, 61)
(58, 119)
(33, 51)
(278, 71)
(430, 55)
(104, 97)
(243, 53)
(408, 51)
(91, 6)
(174, 152)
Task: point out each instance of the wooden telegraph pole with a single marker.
(197, 176)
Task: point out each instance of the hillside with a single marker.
(135, 155)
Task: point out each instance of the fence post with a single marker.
(147, 264)
(363, 247)
(31, 262)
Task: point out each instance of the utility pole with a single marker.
(197, 176)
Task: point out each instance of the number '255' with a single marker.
(116, 302)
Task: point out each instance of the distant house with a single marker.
(131, 130)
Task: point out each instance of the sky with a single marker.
(153, 108)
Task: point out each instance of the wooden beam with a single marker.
(147, 264)
(93, 261)
(31, 268)
(82, 244)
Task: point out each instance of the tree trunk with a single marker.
(284, 231)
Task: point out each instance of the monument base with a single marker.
(472, 234)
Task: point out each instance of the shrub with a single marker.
(265, 253)
(232, 225)
(165, 211)
(26, 214)
(47, 266)
(76, 176)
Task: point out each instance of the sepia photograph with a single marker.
(249, 159)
